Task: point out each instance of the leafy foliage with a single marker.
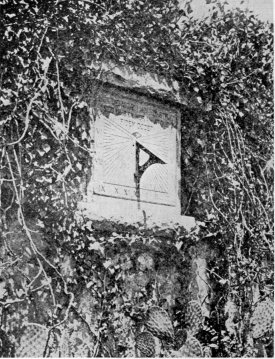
(228, 158)
(223, 64)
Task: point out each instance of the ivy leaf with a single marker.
(97, 247)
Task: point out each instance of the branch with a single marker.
(11, 301)
(239, 80)
(59, 91)
(211, 198)
(203, 43)
(43, 36)
(38, 253)
(22, 221)
(27, 120)
(44, 81)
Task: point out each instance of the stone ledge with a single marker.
(138, 80)
(140, 219)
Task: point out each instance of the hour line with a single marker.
(111, 124)
(111, 161)
(111, 153)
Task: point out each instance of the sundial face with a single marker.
(128, 147)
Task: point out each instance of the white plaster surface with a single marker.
(122, 211)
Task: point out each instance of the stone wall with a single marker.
(141, 271)
(117, 279)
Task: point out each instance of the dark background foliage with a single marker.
(224, 66)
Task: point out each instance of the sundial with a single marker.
(135, 159)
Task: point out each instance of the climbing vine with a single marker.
(50, 252)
